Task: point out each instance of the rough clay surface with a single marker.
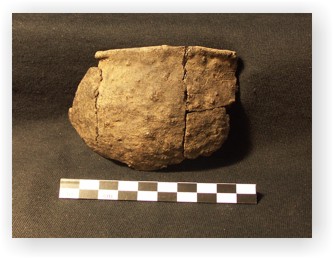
(210, 80)
(155, 106)
(206, 131)
(83, 112)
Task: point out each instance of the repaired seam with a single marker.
(96, 95)
(208, 109)
(184, 62)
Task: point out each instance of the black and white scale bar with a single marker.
(158, 191)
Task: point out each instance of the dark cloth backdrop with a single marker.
(269, 144)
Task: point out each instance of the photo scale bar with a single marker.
(158, 191)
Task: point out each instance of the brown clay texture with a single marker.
(155, 106)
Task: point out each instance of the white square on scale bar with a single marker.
(89, 184)
(108, 195)
(226, 198)
(167, 187)
(69, 193)
(147, 196)
(187, 197)
(246, 188)
(207, 188)
(127, 185)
